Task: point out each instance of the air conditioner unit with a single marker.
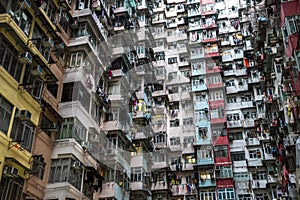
(81, 6)
(23, 115)
(86, 144)
(37, 71)
(76, 165)
(273, 75)
(25, 58)
(48, 42)
(10, 171)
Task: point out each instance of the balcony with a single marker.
(234, 124)
(268, 156)
(248, 123)
(198, 87)
(252, 141)
(254, 162)
(259, 184)
(207, 183)
(112, 126)
(160, 185)
(63, 190)
(213, 69)
(205, 161)
(241, 163)
(200, 105)
(174, 97)
(231, 89)
(139, 186)
(112, 190)
(140, 161)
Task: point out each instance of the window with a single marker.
(216, 95)
(229, 83)
(244, 197)
(33, 85)
(217, 113)
(201, 114)
(159, 156)
(241, 176)
(136, 174)
(22, 18)
(52, 88)
(140, 49)
(114, 88)
(172, 60)
(221, 151)
(198, 81)
(175, 141)
(233, 117)
(199, 66)
(172, 75)
(66, 170)
(160, 71)
(236, 136)
(49, 9)
(185, 73)
(209, 194)
(76, 59)
(224, 172)
(259, 175)
(262, 196)
(226, 194)
(214, 79)
(11, 189)
(72, 128)
(188, 121)
(200, 97)
(190, 158)
(9, 58)
(160, 137)
(218, 131)
(253, 154)
(38, 167)
(5, 114)
(187, 105)
(188, 139)
(174, 123)
(231, 99)
(175, 160)
(246, 98)
(196, 52)
(202, 132)
(23, 131)
(204, 152)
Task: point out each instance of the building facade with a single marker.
(160, 99)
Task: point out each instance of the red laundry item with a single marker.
(246, 62)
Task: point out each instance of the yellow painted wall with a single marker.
(21, 99)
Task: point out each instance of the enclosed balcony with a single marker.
(113, 190)
(205, 155)
(207, 177)
(199, 84)
(203, 136)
